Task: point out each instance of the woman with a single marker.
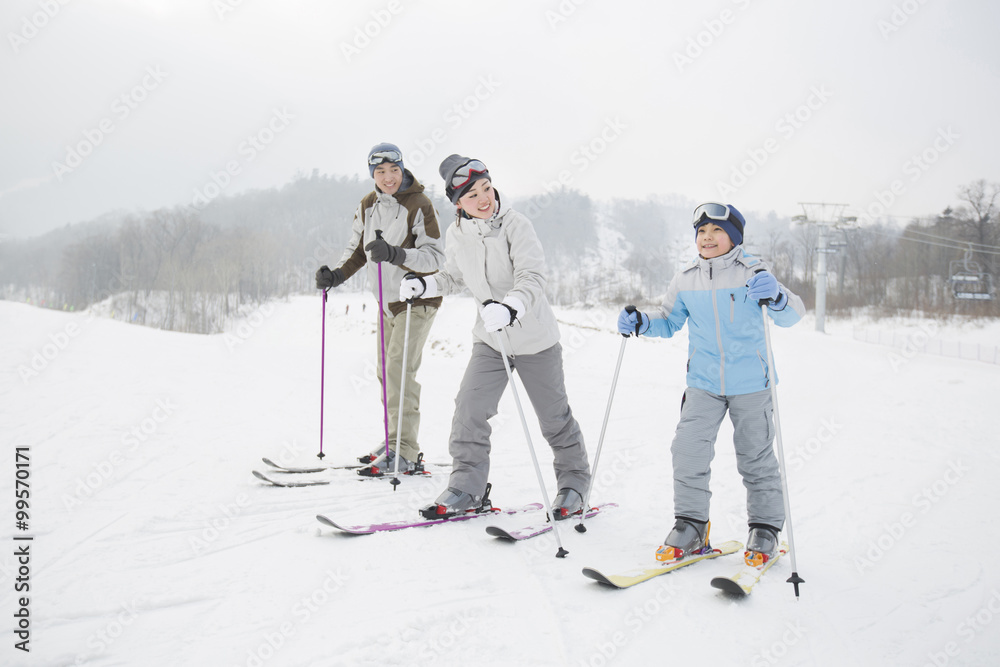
(493, 251)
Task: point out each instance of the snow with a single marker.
(154, 545)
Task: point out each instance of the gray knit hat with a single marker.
(459, 174)
(384, 152)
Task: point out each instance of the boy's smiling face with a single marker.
(712, 241)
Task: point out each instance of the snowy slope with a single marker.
(155, 546)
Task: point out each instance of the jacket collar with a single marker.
(720, 262)
(409, 186)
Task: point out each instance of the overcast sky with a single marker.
(884, 105)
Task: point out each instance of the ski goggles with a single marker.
(714, 211)
(384, 156)
(467, 173)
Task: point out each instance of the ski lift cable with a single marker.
(926, 219)
(954, 245)
(936, 236)
(945, 238)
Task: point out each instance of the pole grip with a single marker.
(760, 302)
(638, 323)
(409, 275)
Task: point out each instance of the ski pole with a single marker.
(322, 383)
(561, 553)
(402, 394)
(795, 579)
(381, 333)
(580, 528)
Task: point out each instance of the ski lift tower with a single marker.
(826, 217)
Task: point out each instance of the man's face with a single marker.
(388, 177)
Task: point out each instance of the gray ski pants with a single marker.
(482, 386)
(694, 448)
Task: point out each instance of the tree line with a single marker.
(194, 270)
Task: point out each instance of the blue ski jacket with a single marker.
(727, 353)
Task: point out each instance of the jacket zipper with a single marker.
(718, 337)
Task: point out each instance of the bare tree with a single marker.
(980, 223)
(176, 234)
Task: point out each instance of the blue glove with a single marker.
(632, 322)
(763, 286)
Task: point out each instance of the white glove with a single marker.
(496, 316)
(415, 287)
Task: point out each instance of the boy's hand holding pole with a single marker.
(632, 321)
(763, 288)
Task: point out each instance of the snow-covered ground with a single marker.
(154, 545)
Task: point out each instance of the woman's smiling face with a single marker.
(480, 201)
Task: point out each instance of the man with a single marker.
(408, 240)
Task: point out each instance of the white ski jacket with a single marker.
(495, 259)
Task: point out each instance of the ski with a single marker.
(322, 482)
(368, 529)
(281, 468)
(355, 466)
(540, 528)
(639, 575)
(743, 581)
(274, 482)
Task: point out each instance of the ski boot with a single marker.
(373, 455)
(762, 545)
(386, 463)
(688, 538)
(567, 503)
(453, 502)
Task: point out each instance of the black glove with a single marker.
(383, 252)
(325, 278)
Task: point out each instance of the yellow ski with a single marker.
(743, 581)
(637, 576)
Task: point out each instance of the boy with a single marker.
(411, 241)
(727, 371)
